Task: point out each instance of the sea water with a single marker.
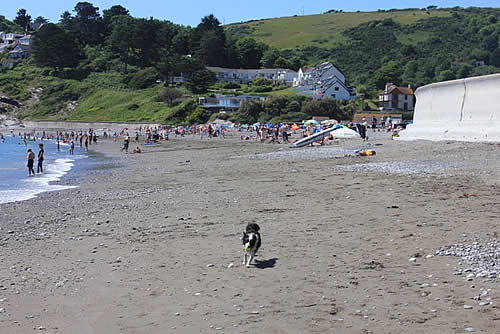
(16, 185)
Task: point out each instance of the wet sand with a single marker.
(150, 242)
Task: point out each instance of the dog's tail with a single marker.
(253, 227)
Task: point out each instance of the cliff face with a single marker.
(463, 110)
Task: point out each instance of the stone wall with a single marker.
(462, 110)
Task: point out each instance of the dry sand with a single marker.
(150, 243)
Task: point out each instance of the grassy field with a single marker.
(121, 105)
(324, 30)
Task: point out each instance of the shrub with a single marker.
(144, 78)
(231, 85)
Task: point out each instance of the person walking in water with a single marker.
(31, 162)
(39, 168)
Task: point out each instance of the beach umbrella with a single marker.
(311, 122)
(329, 122)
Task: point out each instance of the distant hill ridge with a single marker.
(323, 30)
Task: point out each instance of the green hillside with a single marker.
(322, 30)
(113, 66)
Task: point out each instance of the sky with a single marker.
(190, 12)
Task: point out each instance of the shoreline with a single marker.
(348, 242)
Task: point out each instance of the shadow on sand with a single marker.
(266, 263)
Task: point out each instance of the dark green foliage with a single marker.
(108, 48)
(231, 85)
(181, 112)
(23, 19)
(144, 78)
(198, 116)
(250, 52)
(200, 81)
(249, 111)
(209, 41)
(8, 26)
(55, 48)
(389, 72)
(261, 82)
(170, 94)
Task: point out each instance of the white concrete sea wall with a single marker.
(461, 110)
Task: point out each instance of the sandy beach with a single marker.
(149, 243)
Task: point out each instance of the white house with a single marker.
(394, 97)
(335, 88)
(324, 80)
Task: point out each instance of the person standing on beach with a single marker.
(31, 162)
(71, 147)
(86, 143)
(39, 168)
(125, 144)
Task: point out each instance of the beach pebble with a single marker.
(412, 259)
(467, 307)
(210, 265)
(484, 303)
(230, 265)
(469, 329)
(2, 310)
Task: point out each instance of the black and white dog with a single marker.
(251, 241)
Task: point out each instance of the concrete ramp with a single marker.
(462, 110)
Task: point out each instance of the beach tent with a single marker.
(345, 132)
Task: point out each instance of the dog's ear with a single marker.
(244, 234)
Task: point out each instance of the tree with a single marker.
(145, 41)
(200, 81)
(87, 24)
(199, 115)
(116, 10)
(209, 41)
(110, 14)
(495, 58)
(389, 72)
(275, 105)
(250, 52)
(282, 62)
(143, 78)
(23, 19)
(170, 94)
(40, 20)
(269, 57)
(322, 107)
(53, 47)
(250, 110)
(120, 38)
(446, 75)
(66, 21)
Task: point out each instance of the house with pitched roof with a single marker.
(324, 80)
(396, 98)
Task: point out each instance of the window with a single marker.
(336, 88)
